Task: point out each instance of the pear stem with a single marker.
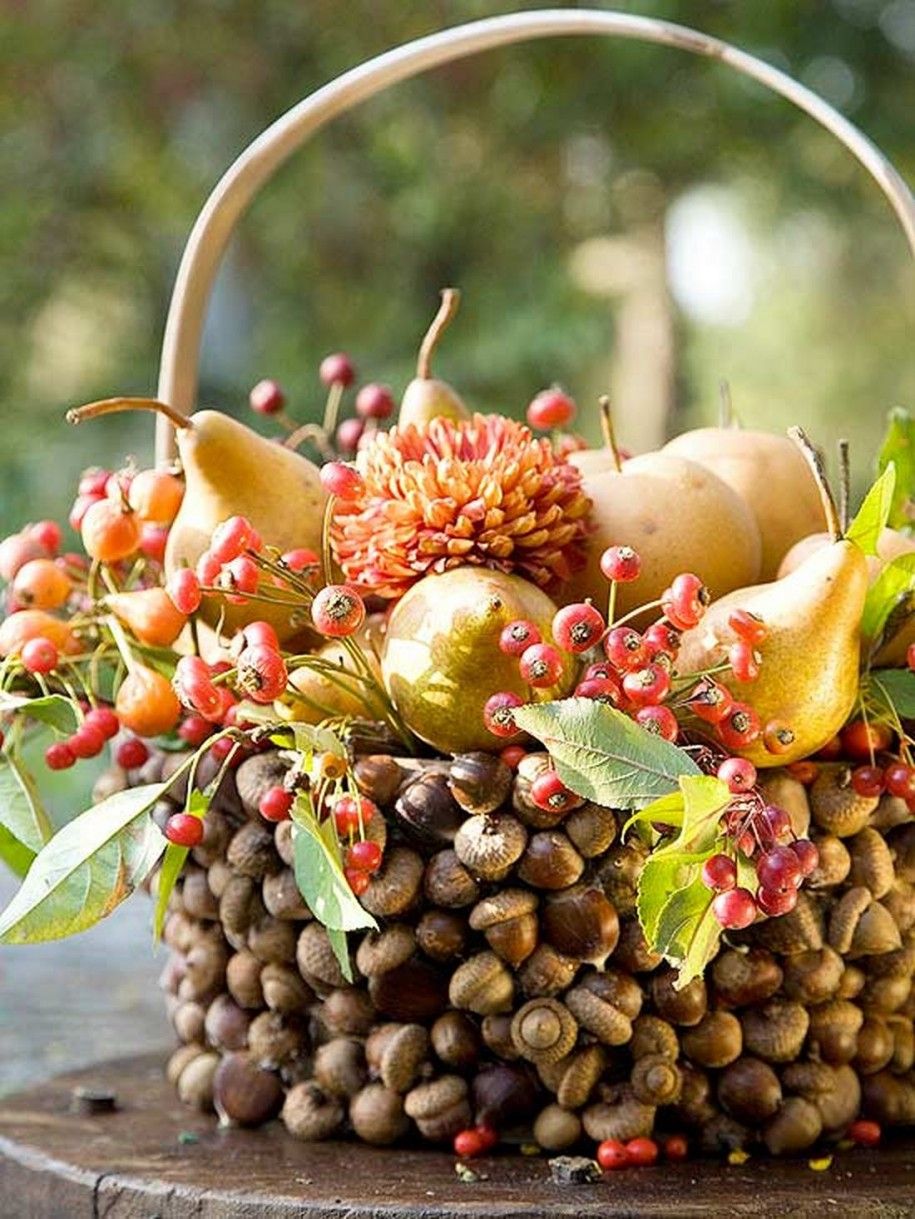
(451, 299)
(316, 434)
(813, 459)
(111, 406)
(725, 406)
(606, 427)
(844, 484)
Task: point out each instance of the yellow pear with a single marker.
(808, 677)
(676, 514)
(427, 398)
(769, 474)
(230, 470)
(441, 660)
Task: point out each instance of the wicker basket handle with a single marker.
(256, 165)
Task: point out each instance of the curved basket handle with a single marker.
(242, 181)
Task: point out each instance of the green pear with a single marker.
(427, 398)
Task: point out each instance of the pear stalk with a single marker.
(844, 484)
(451, 300)
(608, 432)
(813, 459)
(111, 406)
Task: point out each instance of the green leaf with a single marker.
(704, 800)
(319, 873)
(198, 805)
(688, 934)
(341, 952)
(899, 448)
(87, 869)
(889, 597)
(52, 709)
(895, 688)
(18, 858)
(874, 512)
(663, 875)
(22, 813)
(666, 810)
(603, 755)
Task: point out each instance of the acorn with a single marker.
(195, 1083)
(397, 884)
(813, 976)
(282, 840)
(833, 1031)
(251, 851)
(656, 1080)
(902, 843)
(197, 897)
(504, 1095)
(316, 960)
(440, 1108)
(860, 926)
(780, 788)
(556, 1129)
(799, 929)
(694, 1106)
(281, 896)
(888, 1099)
(348, 1011)
(240, 904)
(219, 874)
(496, 1032)
(244, 1094)
(441, 934)
(886, 994)
(414, 992)
(632, 950)
(310, 1114)
(276, 1041)
(874, 1047)
(172, 973)
(715, 1041)
(871, 862)
(188, 1020)
(721, 1134)
(448, 882)
(550, 861)
(456, 1041)
(508, 921)
(546, 972)
(543, 1030)
(595, 1010)
(580, 922)
(900, 901)
(833, 865)
(179, 1060)
(683, 1005)
(836, 807)
(903, 1058)
(404, 1051)
(795, 1127)
(482, 985)
(890, 812)
(204, 970)
(750, 1091)
(741, 978)
(217, 830)
(618, 1115)
(490, 846)
(775, 1032)
(836, 1091)
(226, 1024)
(591, 829)
(380, 951)
(379, 776)
(272, 941)
(618, 874)
(284, 989)
(377, 1115)
(257, 775)
(652, 1035)
(339, 1067)
(479, 782)
(428, 812)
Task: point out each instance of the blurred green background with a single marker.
(618, 216)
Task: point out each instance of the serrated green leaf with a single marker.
(22, 813)
(704, 800)
(871, 518)
(319, 873)
(87, 869)
(18, 858)
(603, 755)
(894, 585)
(899, 448)
(895, 688)
(667, 810)
(688, 934)
(663, 874)
(51, 709)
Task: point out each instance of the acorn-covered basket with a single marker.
(475, 810)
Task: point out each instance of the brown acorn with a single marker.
(632, 950)
(479, 782)
(750, 1091)
(833, 865)
(377, 1115)
(656, 1080)
(440, 1108)
(276, 1041)
(652, 1035)
(441, 934)
(281, 896)
(550, 861)
(195, 1083)
(188, 1020)
(405, 1050)
(240, 904)
(871, 862)
(414, 992)
(743, 978)
(776, 1031)
(836, 807)
(244, 1093)
(508, 921)
(311, 1114)
(618, 1115)
(456, 1041)
(591, 829)
(251, 851)
(546, 972)
(448, 882)
(835, 1091)
(397, 884)
(226, 1024)
(339, 1067)
(618, 874)
(813, 976)
(285, 990)
(379, 777)
(715, 1041)
(580, 922)
(833, 1031)
(578, 1074)
(380, 951)
(243, 979)
(490, 846)
(272, 941)
(181, 1057)
(595, 1006)
(796, 931)
(875, 1045)
(428, 812)
(256, 775)
(348, 1011)
(316, 960)
(503, 1094)
(683, 1005)
(543, 1030)
(197, 897)
(795, 1127)
(482, 985)
(496, 1032)
(556, 1129)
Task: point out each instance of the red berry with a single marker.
(374, 401)
(469, 1143)
(194, 729)
(744, 661)
(262, 673)
(232, 538)
(625, 648)
(498, 713)
(225, 748)
(776, 902)
(601, 690)
(676, 1148)
(577, 627)
(738, 773)
(132, 753)
(357, 880)
(551, 409)
(777, 737)
(740, 727)
(645, 686)
(337, 369)
(194, 686)
(602, 670)
(275, 804)
(352, 815)
(683, 604)
(778, 868)
(511, 755)
(719, 872)
(337, 478)
(259, 632)
(59, 756)
(659, 720)
(207, 569)
(349, 433)
(868, 781)
(734, 909)
(87, 742)
(81, 506)
(710, 701)
(47, 534)
(39, 655)
(865, 1133)
(105, 720)
(900, 780)
(776, 822)
(266, 398)
(365, 855)
(540, 666)
(184, 830)
(661, 639)
(611, 1155)
(642, 1152)
(240, 577)
(337, 611)
(862, 740)
(550, 793)
(621, 564)
(518, 636)
(184, 589)
(153, 539)
(807, 854)
(747, 626)
(300, 559)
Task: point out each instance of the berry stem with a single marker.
(606, 427)
(332, 408)
(451, 300)
(110, 406)
(316, 434)
(120, 641)
(326, 558)
(640, 609)
(726, 415)
(611, 604)
(813, 459)
(844, 484)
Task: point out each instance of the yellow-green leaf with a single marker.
(18, 858)
(172, 864)
(872, 516)
(319, 873)
(889, 599)
(22, 813)
(899, 448)
(51, 709)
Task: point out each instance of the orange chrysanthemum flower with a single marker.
(482, 491)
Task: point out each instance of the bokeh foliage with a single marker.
(119, 115)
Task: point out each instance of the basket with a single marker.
(475, 1004)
